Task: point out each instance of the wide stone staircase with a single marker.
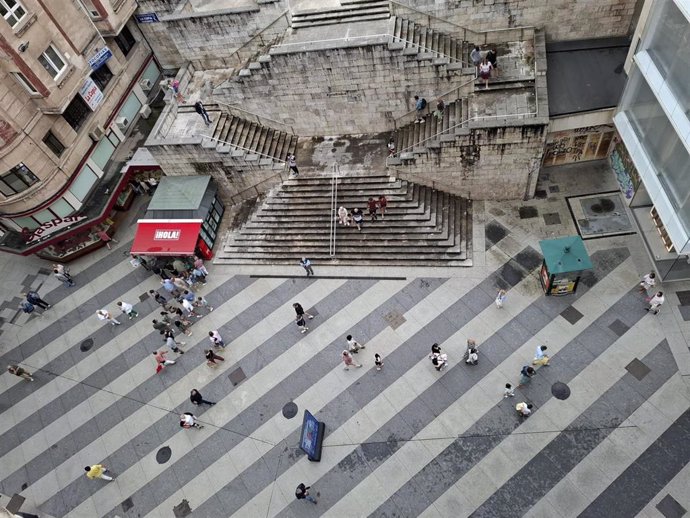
(414, 38)
(242, 138)
(422, 226)
(349, 11)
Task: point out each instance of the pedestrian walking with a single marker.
(492, 57)
(540, 356)
(201, 110)
(174, 87)
(435, 349)
(342, 216)
(63, 277)
(440, 106)
(500, 298)
(104, 314)
(102, 235)
(19, 371)
(211, 358)
(419, 106)
(169, 286)
(472, 356)
(391, 147)
(201, 302)
(27, 307)
(199, 265)
(358, 218)
(187, 305)
(508, 391)
(162, 361)
(655, 302)
(526, 375)
(476, 56)
(183, 327)
(306, 264)
(97, 471)
(378, 361)
(371, 204)
(197, 399)
(485, 69)
(160, 326)
(172, 344)
(128, 309)
(302, 493)
(189, 420)
(648, 282)
(216, 339)
(349, 361)
(383, 203)
(161, 300)
(471, 344)
(353, 345)
(34, 298)
(292, 164)
(523, 409)
(299, 311)
(299, 320)
(439, 360)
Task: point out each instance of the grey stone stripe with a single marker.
(262, 473)
(80, 392)
(649, 474)
(466, 451)
(271, 403)
(583, 434)
(158, 432)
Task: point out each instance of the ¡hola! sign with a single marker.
(166, 235)
(50, 227)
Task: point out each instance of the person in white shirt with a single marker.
(128, 309)
(540, 357)
(216, 339)
(353, 345)
(523, 409)
(655, 302)
(104, 314)
(648, 282)
(342, 216)
(485, 69)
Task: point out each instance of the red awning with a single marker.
(166, 236)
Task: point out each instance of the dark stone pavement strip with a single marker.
(81, 391)
(650, 473)
(486, 433)
(579, 438)
(159, 432)
(351, 400)
(271, 403)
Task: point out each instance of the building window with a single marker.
(22, 80)
(93, 12)
(76, 112)
(53, 143)
(125, 40)
(102, 76)
(12, 11)
(52, 61)
(18, 179)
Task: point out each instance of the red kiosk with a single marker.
(182, 219)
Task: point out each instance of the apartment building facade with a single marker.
(74, 76)
(653, 121)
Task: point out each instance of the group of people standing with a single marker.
(486, 63)
(375, 207)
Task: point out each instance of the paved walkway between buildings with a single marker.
(609, 434)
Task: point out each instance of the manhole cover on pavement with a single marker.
(290, 410)
(163, 455)
(86, 345)
(560, 390)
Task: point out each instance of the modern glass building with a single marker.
(653, 120)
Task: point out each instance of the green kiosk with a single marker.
(565, 259)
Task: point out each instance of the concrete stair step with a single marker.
(336, 15)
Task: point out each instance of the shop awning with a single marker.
(166, 237)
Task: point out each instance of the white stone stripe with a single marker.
(516, 450)
(342, 441)
(618, 451)
(33, 446)
(81, 294)
(463, 413)
(242, 397)
(315, 398)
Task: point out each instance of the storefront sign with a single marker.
(167, 235)
(147, 18)
(91, 94)
(50, 227)
(97, 60)
(311, 437)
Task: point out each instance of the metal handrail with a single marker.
(334, 211)
(256, 118)
(240, 61)
(426, 49)
(253, 152)
(395, 6)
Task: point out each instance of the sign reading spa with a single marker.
(50, 227)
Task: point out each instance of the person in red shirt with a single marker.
(383, 202)
(372, 208)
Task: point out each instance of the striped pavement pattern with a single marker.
(404, 441)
